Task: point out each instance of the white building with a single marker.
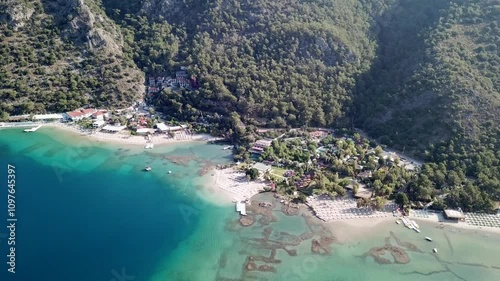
(145, 131)
(79, 114)
(114, 129)
(98, 123)
(48, 117)
(100, 115)
(165, 128)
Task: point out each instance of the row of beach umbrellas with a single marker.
(482, 219)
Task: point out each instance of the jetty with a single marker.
(33, 129)
(241, 208)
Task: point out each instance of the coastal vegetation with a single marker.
(55, 57)
(418, 76)
(336, 164)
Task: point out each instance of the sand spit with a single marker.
(236, 183)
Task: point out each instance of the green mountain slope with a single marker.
(435, 92)
(421, 76)
(437, 80)
(276, 63)
(59, 55)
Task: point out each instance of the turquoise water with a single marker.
(87, 211)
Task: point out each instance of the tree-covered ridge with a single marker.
(467, 44)
(44, 67)
(441, 95)
(438, 81)
(276, 63)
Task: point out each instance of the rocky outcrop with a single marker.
(157, 8)
(15, 14)
(85, 25)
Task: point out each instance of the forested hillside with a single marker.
(421, 76)
(276, 63)
(59, 55)
(434, 91)
(437, 75)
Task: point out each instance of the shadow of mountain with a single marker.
(393, 98)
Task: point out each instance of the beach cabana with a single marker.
(162, 127)
(48, 117)
(113, 129)
(363, 192)
(454, 215)
(145, 131)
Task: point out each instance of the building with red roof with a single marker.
(79, 114)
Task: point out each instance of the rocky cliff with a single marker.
(15, 13)
(63, 54)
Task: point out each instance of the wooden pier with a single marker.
(33, 129)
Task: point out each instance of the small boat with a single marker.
(398, 222)
(228, 147)
(169, 172)
(435, 250)
(415, 225)
(428, 239)
(407, 223)
(417, 230)
(148, 168)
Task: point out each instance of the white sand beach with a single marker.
(235, 183)
(327, 209)
(126, 138)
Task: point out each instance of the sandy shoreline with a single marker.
(125, 138)
(224, 186)
(228, 185)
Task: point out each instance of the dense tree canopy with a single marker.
(420, 76)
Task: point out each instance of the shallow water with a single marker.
(87, 211)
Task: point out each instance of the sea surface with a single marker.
(86, 211)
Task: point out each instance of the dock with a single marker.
(33, 129)
(240, 207)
